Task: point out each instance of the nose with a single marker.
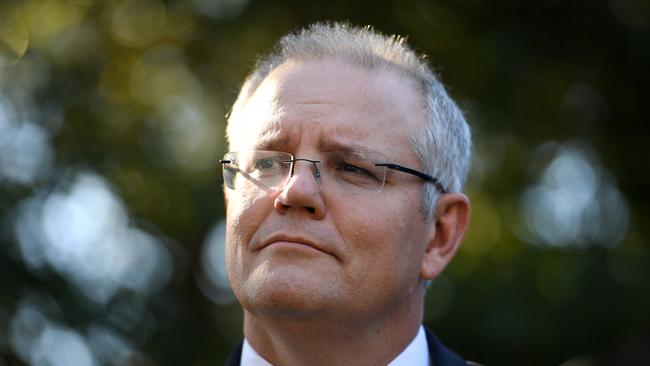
(314, 166)
(301, 192)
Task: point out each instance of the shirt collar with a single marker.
(249, 357)
(416, 353)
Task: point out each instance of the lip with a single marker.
(291, 239)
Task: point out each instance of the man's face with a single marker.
(303, 251)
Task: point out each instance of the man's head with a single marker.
(443, 145)
(332, 240)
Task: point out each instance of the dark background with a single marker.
(112, 121)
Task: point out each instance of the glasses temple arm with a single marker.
(424, 176)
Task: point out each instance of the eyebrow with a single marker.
(269, 132)
(332, 145)
(271, 137)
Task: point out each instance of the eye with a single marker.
(266, 163)
(349, 169)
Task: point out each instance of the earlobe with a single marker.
(451, 220)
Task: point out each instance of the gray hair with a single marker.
(443, 146)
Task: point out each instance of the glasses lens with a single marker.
(229, 165)
(341, 172)
(255, 170)
(352, 173)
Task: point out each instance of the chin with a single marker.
(288, 293)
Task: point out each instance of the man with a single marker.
(343, 200)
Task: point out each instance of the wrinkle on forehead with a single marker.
(259, 117)
(273, 134)
(331, 142)
(296, 95)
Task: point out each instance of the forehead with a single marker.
(327, 104)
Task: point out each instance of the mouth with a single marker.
(292, 242)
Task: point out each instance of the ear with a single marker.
(451, 220)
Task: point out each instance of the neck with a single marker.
(283, 340)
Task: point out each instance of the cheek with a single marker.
(384, 235)
(369, 231)
(244, 217)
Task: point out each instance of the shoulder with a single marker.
(441, 355)
(235, 356)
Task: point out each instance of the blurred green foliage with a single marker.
(111, 124)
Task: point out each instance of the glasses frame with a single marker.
(424, 176)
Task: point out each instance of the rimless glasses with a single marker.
(344, 172)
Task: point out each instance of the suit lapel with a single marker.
(235, 356)
(441, 355)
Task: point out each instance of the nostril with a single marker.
(311, 210)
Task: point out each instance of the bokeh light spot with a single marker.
(39, 339)
(575, 202)
(14, 36)
(184, 135)
(137, 23)
(58, 346)
(109, 346)
(212, 279)
(84, 234)
(47, 19)
(162, 73)
(25, 151)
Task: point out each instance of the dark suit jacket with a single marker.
(440, 355)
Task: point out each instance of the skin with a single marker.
(327, 279)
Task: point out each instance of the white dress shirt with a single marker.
(415, 354)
